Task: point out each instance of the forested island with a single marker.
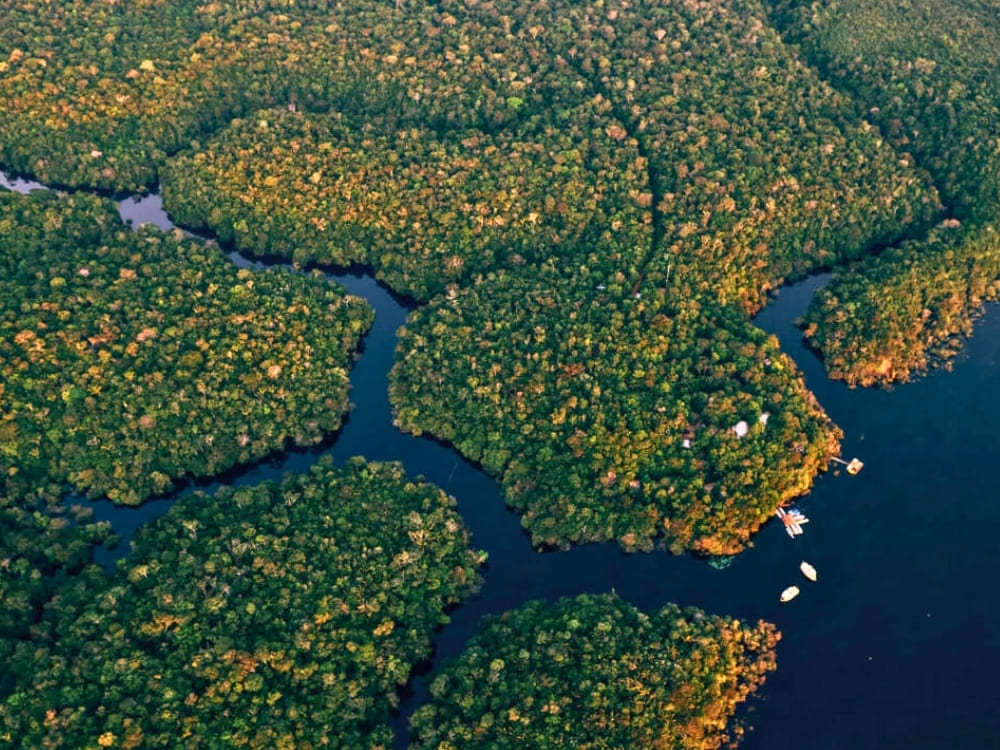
(584, 203)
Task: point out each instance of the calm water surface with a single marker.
(896, 646)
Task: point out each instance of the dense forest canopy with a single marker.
(426, 211)
(594, 672)
(760, 172)
(598, 141)
(606, 417)
(926, 74)
(131, 359)
(819, 188)
(277, 616)
(701, 86)
(590, 199)
(44, 545)
(907, 309)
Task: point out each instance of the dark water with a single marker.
(896, 646)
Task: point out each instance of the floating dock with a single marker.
(792, 519)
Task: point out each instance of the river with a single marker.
(894, 647)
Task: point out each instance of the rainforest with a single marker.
(579, 208)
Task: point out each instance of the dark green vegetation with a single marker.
(646, 121)
(594, 672)
(755, 169)
(98, 94)
(608, 418)
(761, 173)
(129, 359)
(590, 198)
(43, 545)
(278, 616)
(926, 74)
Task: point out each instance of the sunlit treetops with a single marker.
(756, 171)
(422, 207)
(130, 359)
(700, 86)
(448, 65)
(605, 417)
(283, 615)
(99, 94)
(896, 314)
(673, 95)
(594, 672)
(424, 210)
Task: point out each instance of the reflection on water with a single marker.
(19, 185)
(145, 209)
(894, 646)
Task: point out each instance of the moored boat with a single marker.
(790, 593)
(808, 570)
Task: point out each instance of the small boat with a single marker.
(790, 593)
(808, 570)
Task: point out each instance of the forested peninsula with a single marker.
(131, 359)
(585, 203)
(927, 76)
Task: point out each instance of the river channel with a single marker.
(895, 646)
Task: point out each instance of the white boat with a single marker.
(808, 570)
(790, 593)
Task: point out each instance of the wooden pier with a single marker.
(853, 466)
